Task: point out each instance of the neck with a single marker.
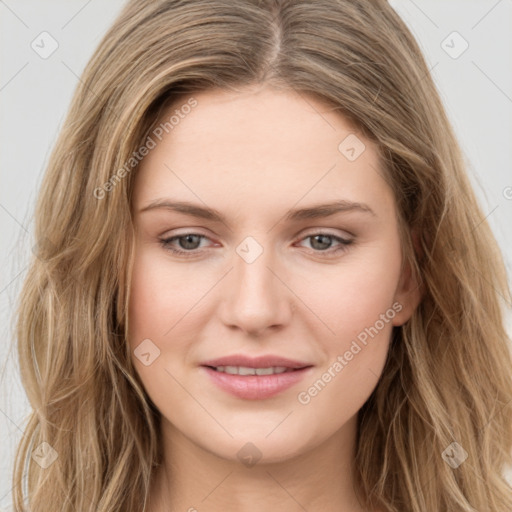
(193, 479)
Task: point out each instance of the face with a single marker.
(268, 273)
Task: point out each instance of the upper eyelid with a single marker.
(304, 233)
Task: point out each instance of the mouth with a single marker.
(247, 370)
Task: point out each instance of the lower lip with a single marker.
(256, 387)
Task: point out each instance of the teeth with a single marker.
(244, 370)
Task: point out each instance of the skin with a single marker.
(252, 156)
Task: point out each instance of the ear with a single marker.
(409, 290)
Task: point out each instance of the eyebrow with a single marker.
(311, 212)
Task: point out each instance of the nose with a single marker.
(255, 296)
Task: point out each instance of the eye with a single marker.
(322, 242)
(189, 243)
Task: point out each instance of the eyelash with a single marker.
(165, 242)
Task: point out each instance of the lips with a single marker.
(255, 387)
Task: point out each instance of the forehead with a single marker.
(259, 146)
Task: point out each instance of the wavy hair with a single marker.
(448, 376)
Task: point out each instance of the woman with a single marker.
(263, 278)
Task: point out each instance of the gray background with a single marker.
(35, 92)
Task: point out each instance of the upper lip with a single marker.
(255, 362)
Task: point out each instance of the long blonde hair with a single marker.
(448, 377)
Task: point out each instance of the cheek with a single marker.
(160, 295)
(159, 299)
(145, 312)
(357, 305)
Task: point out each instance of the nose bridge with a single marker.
(254, 297)
(251, 267)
